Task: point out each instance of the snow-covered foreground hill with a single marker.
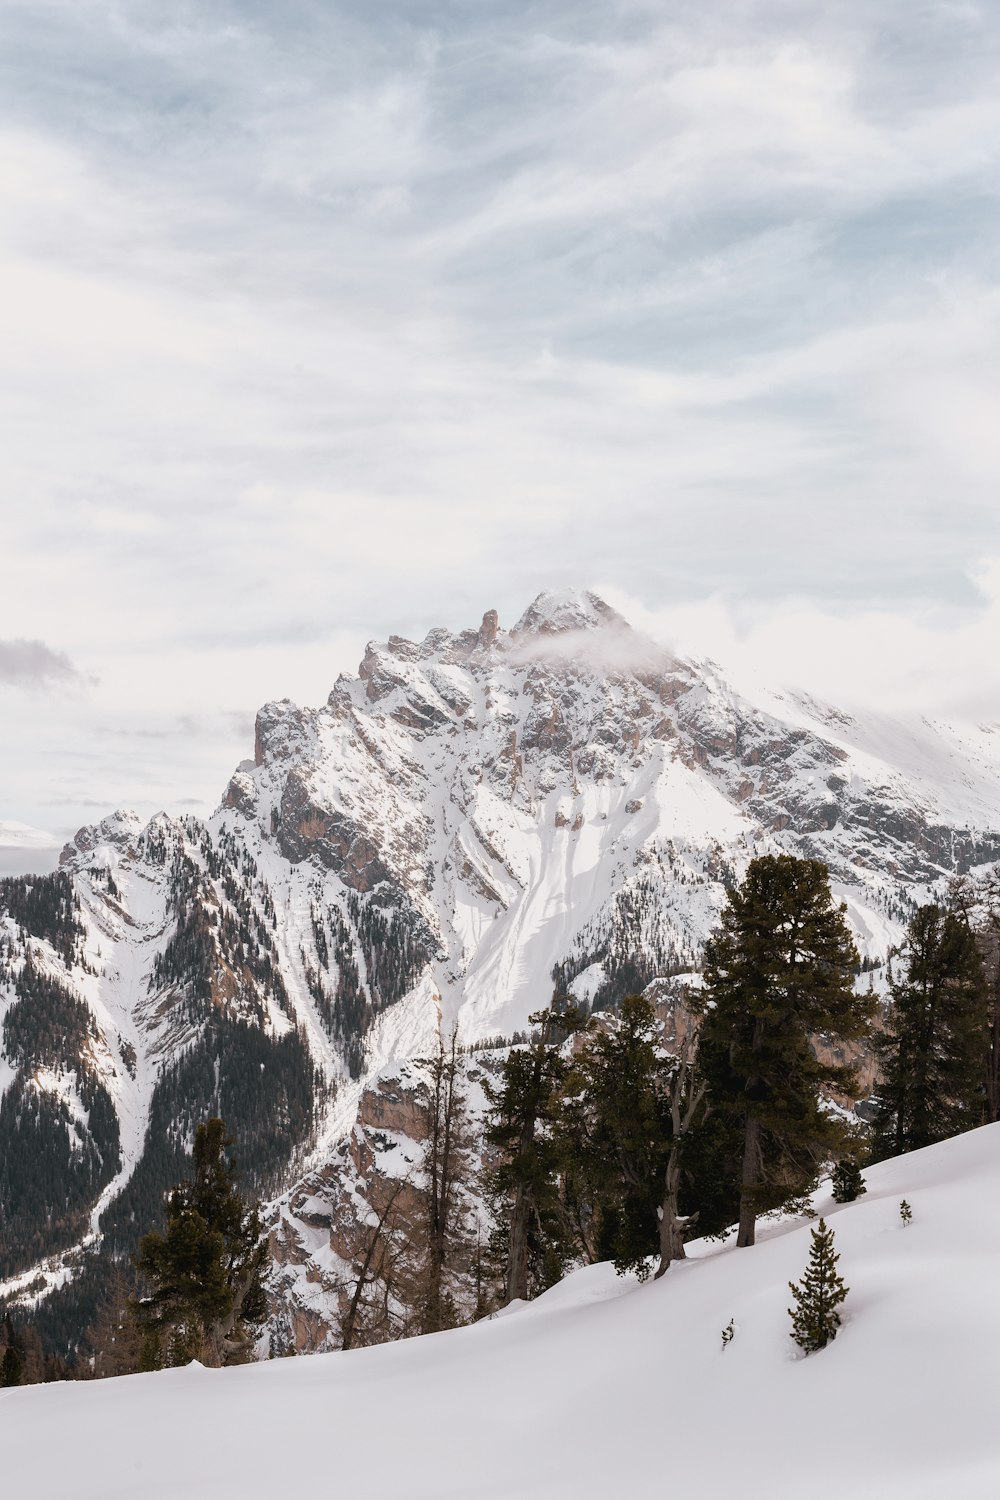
(602, 1387)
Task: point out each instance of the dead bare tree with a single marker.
(445, 1165)
(378, 1265)
(685, 1095)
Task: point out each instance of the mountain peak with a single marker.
(556, 611)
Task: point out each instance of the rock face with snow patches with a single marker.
(470, 821)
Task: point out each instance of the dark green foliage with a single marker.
(263, 1086)
(632, 955)
(847, 1182)
(608, 1155)
(12, 1366)
(779, 973)
(533, 1240)
(189, 957)
(22, 1359)
(51, 1169)
(932, 1051)
(351, 1014)
(227, 948)
(47, 1026)
(614, 1135)
(710, 1173)
(61, 1318)
(46, 907)
(982, 905)
(53, 1165)
(905, 1212)
(394, 949)
(206, 1269)
(815, 1319)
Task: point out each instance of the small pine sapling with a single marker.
(815, 1319)
(905, 1212)
(847, 1182)
(728, 1334)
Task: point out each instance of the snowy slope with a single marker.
(603, 1388)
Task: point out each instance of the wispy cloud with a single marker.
(325, 321)
(32, 664)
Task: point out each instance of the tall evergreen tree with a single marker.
(12, 1365)
(931, 1053)
(533, 1236)
(815, 1319)
(779, 972)
(206, 1270)
(988, 942)
(615, 1134)
(978, 902)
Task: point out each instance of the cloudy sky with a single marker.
(321, 319)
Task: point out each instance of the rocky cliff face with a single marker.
(363, 1213)
(472, 819)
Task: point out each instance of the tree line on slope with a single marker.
(605, 1143)
(195, 1287)
(614, 1146)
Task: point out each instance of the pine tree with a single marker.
(533, 1237)
(815, 1319)
(847, 1181)
(614, 1135)
(978, 903)
(779, 971)
(932, 1051)
(905, 1212)
(12, 1366)
(206, 1271)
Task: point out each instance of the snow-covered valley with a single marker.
(603, 1387)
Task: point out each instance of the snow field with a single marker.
(603, 1388)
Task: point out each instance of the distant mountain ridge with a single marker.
(468, 821)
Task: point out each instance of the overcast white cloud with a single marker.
(318, 322)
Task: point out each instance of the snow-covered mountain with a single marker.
(469, 821)
(603, 1387)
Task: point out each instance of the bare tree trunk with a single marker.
(686, 1103)
(671, 1223)
(517, 1259)
(365, 1274)
(520, 1221)
(748, 1182)
(444, 1160)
